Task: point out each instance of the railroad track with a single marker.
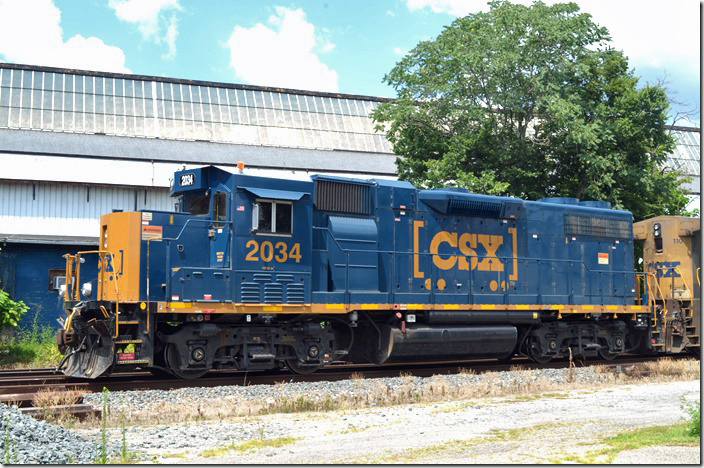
(20, 387)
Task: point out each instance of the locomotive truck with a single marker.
(255, 273)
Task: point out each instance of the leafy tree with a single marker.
(530, 101)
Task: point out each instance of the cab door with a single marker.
(220, 229)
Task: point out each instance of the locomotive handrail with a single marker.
(76, 291)
(538, 260)
(684, 281)
(168, 257)
(194, 220)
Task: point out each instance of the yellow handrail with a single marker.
(684, 281)
(662, 296)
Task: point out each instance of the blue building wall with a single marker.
(24, 275)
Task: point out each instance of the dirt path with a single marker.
(526, 429)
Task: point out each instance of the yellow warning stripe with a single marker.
(241, 308)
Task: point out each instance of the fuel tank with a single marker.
(435, 343)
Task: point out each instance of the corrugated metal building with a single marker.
(77, 144)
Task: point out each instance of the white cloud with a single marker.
(151, 19)
(30, 32)
(399, 51)
(281, 54)
(451, 7)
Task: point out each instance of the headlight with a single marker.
(86, 289)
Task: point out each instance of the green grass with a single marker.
(421, 454)
(35, 347)
(673, 435)
(250, 445)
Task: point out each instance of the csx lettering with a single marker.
(467, 244)
(667, 269)
(268, 252)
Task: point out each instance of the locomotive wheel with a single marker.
(606, 355)
(173, 362)
(534, 353)
(295, 366)
(540, 359)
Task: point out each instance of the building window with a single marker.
(272, 217)
(57, 278)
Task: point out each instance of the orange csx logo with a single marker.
(476, 251)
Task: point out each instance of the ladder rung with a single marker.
(136, 361)
(658, 345)
(128, 341)
(692, 336)
(129, 322)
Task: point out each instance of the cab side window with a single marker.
(272, 217)
(220, 207)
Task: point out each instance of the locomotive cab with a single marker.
(672, 267)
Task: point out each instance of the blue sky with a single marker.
(335, 45)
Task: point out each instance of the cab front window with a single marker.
(198, 204)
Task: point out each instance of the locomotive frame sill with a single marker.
(242, 308)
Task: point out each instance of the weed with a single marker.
(352, 429)
(694, 412)
(7, 439)
(103, 457)
(300, 404)
(674, 435)
(250, 445)
(34, 347)
(173, 455)
(123, 453)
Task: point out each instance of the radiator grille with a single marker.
(342, 197)
(474, 208)
(598, 226)
(263, 288)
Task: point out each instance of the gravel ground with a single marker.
(549, 427)
(26, 440)
(315, 391)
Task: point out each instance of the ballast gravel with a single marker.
(317, 391)
(26, 440)
(410, 433)
(567, 422)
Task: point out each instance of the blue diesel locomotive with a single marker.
(254, 273)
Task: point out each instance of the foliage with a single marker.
(10, 311)
(694, 410)
(34, 347)
(530, 101)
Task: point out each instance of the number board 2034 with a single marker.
(188, 179)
